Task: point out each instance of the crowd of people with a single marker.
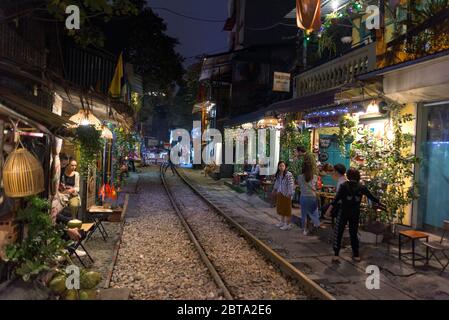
(345, 208)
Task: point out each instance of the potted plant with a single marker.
(387, 165)
(39, 250)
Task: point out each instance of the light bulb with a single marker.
(335, 5)
(373, 107)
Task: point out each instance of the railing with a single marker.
(89, 69)
(429, 37)
(15, 48)
(337, 71)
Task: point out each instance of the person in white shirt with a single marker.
(339, 175)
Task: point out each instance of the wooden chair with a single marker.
(88, 228)
(441, 246)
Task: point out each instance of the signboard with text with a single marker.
(281, 82)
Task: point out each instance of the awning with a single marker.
(248, 117)
(305, 103)
(38, 117)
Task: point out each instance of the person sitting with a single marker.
(253, 181)
(69, 188)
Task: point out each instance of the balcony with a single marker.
(337, 72)
(16, 49)
(89, 69)
(426, 38)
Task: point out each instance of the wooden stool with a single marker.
(413, 235)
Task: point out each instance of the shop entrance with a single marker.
(434, 175)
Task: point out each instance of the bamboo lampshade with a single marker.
(23, 175)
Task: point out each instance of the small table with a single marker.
(97, 213)
(413, 235)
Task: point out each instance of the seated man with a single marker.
(253, 181)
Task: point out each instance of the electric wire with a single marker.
(188, 17)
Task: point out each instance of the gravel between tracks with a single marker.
(247, 274)
(156, 258)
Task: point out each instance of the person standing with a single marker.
(350, 194)
(339, 175)
(283, 189)
(309, 161)
(169, 164)
(308, 199)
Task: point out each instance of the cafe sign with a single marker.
(281, 82)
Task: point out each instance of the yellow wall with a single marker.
(409, 127)
(325, 130)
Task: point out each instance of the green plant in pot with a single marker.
(388, 164)
(41, 246)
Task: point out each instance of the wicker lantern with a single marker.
(23, 175)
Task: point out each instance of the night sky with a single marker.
(195, 37)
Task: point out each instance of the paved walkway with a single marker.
(313, 254)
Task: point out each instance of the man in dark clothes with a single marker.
(349, 196)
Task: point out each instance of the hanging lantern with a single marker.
(308, 15)
(267, 122)
(23, 174)
(106, 133)
(85, 118)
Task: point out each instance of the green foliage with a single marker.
(432, 39)
(291, 137)
(326, 42)
(90, 145)
(125, 142)
(347, 131)
(388, 164)
(92, 12)
(42, 245)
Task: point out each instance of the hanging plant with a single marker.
(90, 145)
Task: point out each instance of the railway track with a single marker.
(224, 246)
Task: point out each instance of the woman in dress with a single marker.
(283, 189)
